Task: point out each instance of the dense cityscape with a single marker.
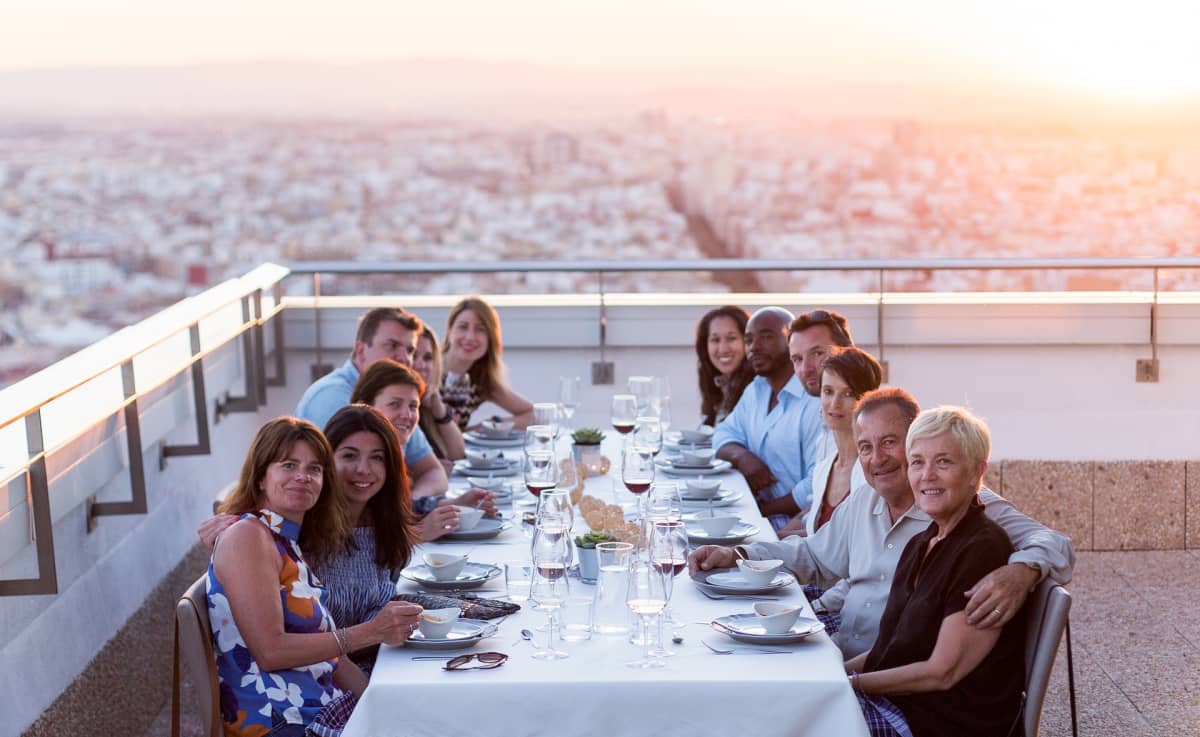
(103, 223)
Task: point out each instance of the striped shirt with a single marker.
(358, 587)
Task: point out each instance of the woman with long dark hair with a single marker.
(721, 361)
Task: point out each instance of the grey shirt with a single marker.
(860, 544)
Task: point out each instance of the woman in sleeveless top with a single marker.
(474, 368)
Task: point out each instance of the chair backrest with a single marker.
(194, 652)
(1047, 610)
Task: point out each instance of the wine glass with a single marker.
(548, 590)
(539, 438)
(662, 400)
(664, 502)
(637, 469)
(668, 551)
(541, 472)
(642, 389)
(568, 397)
(647, 434)
(546, 413)
(554, 513)
(624, 413)
(645, 596)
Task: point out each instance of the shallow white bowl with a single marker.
(759, 572)
(776, 618)
(445, 567)
(701, 434)
(491, 483)
(437, 623)
(700, 488)
(468, 517)
(717, 526)
(697, 457)
(482, 458)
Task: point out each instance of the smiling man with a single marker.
(863, 541)
(774, 432)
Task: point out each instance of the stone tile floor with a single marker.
(1136, 643)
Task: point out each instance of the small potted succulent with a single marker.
(586, 447)
(585, 545)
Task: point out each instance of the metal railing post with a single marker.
(133, 440)
(41, 527)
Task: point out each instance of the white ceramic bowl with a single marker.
(697, 457)
(468, 517)
(491, 483)
(759, 572)
(445, 567)
(717, 526)
(498, 430)
(703, 488)
(776, 618)
(435, 624)
(702, 434)
(482, 458)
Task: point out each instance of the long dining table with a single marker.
(803, 691)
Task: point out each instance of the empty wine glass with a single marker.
(546, 413)
(642, 389)
(647, 434)
(664, 502)
(568, 397)
(662, 400)
(645, 597)
(539, 438)
(624, 413)
(554, 514)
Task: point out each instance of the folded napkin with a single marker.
(469, 605)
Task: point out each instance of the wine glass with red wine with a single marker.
(624, 413)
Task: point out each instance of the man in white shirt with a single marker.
(863, 541)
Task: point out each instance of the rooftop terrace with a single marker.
(112, 457)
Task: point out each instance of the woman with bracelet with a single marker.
(395, 390)
(280, 655)
(474, 369)
(930, 673)
(437, 422)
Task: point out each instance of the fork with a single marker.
(744, 650)
(752, 597)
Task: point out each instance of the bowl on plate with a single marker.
(776, 618)
(700, 435)
(444, 566)
(468, 518)
(696, 457)
(702, 488)
(759, 572)
(717, 526)
(435, 624)
(484, 458)
(491, 483)
(495, 430)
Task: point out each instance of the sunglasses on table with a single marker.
(473, 661)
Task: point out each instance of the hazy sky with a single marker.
(1131, 51)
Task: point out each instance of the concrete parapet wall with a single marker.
(1108, 505)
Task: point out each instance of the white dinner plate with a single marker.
(730, 581)
(486, 528)
(507, 468)
(719, 501)
(465, 633)
(515, 440)
(737, 534)
(745, 628)
(671, 469)
(473, 574)
(722, 495)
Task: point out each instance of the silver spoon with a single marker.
(525, 635)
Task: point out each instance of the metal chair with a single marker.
(194, 652)
(1047, 609)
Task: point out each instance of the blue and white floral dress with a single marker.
(254, 703)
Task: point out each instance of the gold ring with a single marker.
(996, 611)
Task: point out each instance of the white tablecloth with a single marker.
(593, 693)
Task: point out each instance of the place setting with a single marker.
(487, 463)
(708, 528)
(750, 578)
(680, 440)
(495, 435)
(450, 572)
(770, 623)
(447, 629)
(692, 463)
(708, 492)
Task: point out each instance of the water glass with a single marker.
(609, 615)
(518, 576)
(576, 618)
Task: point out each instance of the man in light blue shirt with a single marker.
(383, 332)
(773, 434)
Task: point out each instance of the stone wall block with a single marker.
(1139, 505)
(1056, 493)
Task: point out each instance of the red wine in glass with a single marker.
(551, 571)
(674, 566)
(537, 487)
(638, 487)
(623, 427)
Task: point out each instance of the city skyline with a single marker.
(1120, 53)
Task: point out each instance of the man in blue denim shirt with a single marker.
(774, 433)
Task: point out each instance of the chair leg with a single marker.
(1071, 680)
